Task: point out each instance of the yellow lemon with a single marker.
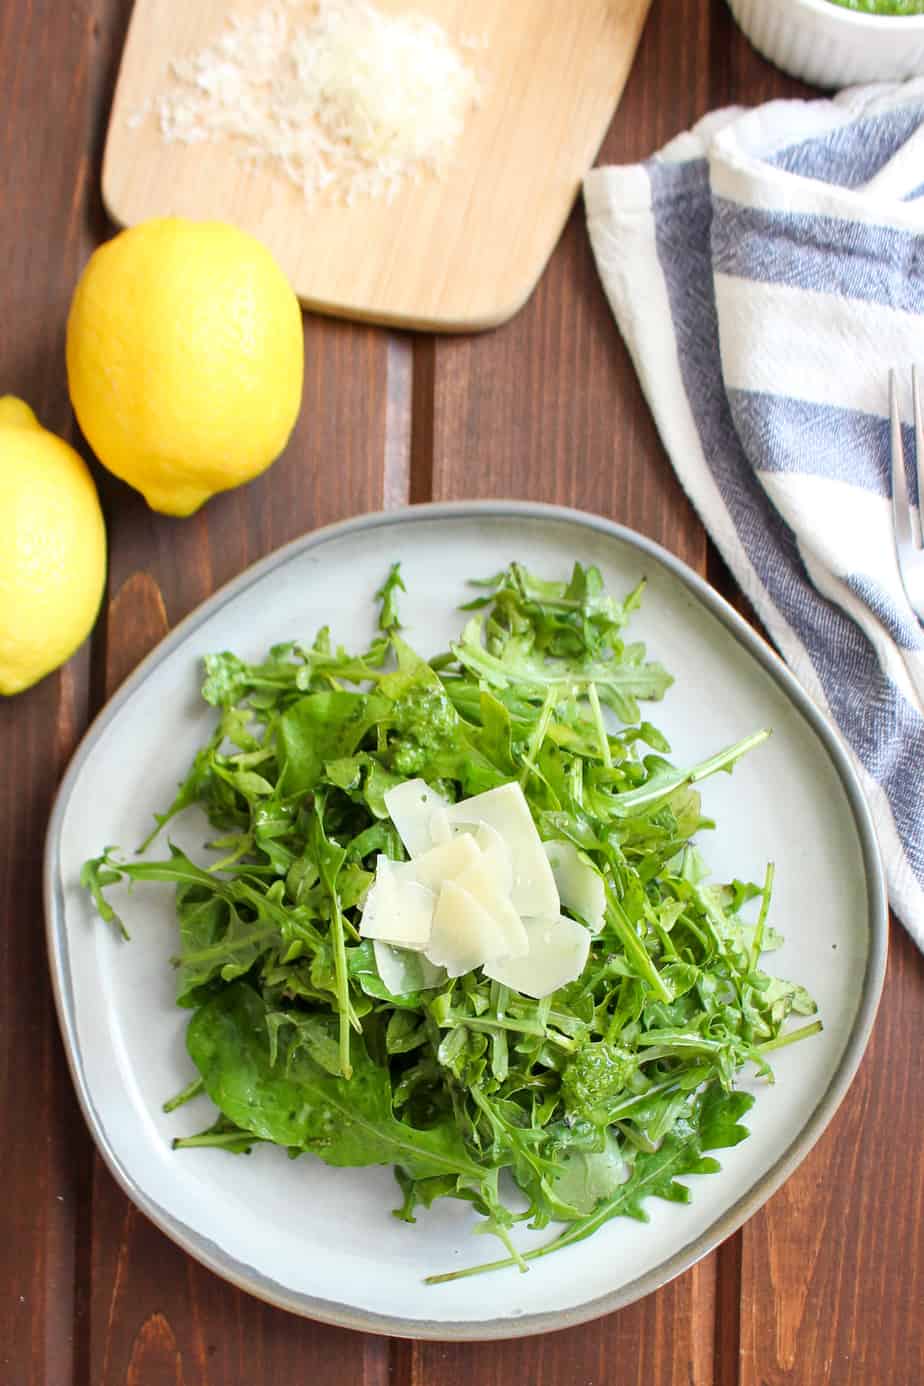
(184, 359)
(53, 549)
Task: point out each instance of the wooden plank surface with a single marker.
(832, 1267)
(823, 1286)
(44, 1152)
(464, 252)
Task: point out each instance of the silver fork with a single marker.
(909, 552)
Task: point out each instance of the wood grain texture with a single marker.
(44, 1152)
(833, 1266)
(667, 1340)
(549, 407)
(463, 253)
(43, 1163)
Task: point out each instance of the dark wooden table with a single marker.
(826, 1284)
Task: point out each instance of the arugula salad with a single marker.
(456, 922)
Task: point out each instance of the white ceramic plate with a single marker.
(322, 1241)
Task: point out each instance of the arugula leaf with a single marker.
(665, 780)
(388, 596)
(324, 727)
(298, 1103)
(95, 874)
(711, 1122)
(215, 941)
(330, 857)
(618, 682)
(592, 1100)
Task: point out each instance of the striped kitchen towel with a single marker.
(766, 269)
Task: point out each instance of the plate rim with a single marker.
(244, 1277)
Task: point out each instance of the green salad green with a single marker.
(592, 1099)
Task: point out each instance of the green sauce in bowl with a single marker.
(894, 7)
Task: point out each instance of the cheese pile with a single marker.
(337, 95)
(481, 890)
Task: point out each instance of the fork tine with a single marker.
(901, 516)
(918, 444)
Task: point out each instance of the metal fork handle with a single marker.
(901, 515)
(918, 442)
(908, 552)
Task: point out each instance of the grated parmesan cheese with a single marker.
(341, 98)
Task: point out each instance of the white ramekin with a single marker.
(823, 43)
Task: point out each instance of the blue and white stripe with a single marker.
(766, 270)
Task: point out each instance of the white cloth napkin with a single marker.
(766, 269)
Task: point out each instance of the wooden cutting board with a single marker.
(458, 254)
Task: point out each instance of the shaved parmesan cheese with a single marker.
(335, 94)
(506, 811)
(558, 950)
(495, 849)
(410, 807)
(463, 933)
(403, 971)
(441, 863)
(440, 831)
(482, 883)
(579, 884)
(397, 910)
(483, 896)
